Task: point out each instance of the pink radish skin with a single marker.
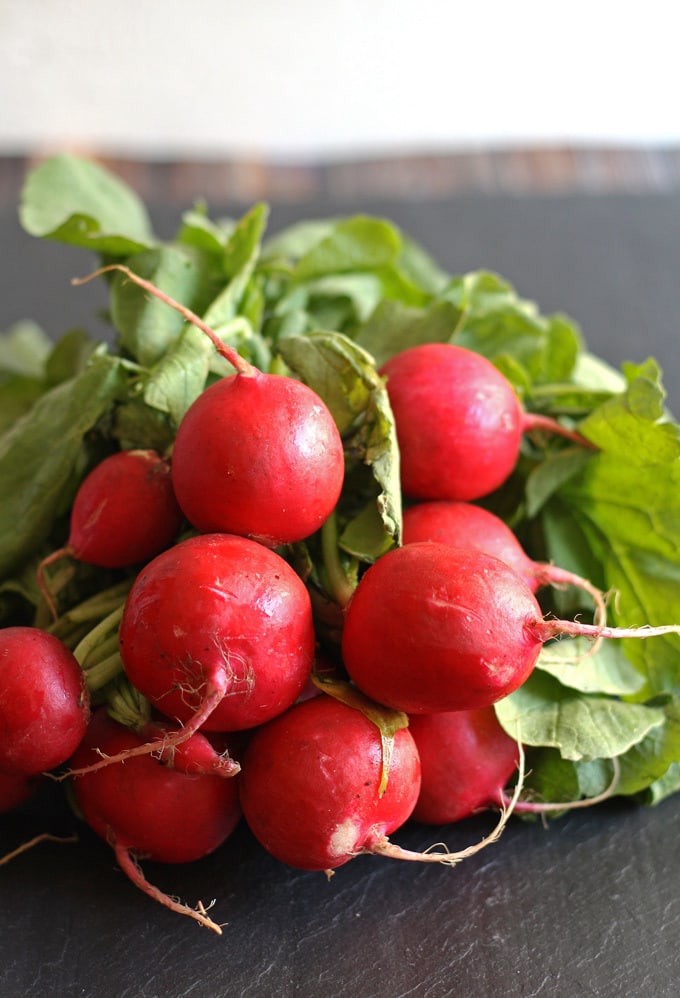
(148, 809)
(217, 633)
(466, 758)
(436, 628)
(259, 456)
(463, 524)
(123, 514)
(218, 615)
(44, 701)
(256, 454)
(15, 789)
(459, 422)
(309, 786)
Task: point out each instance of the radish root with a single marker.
(25, 846)
(549, 628)
(131, 868)
(162, 747)
(383, 847)
(547, 807)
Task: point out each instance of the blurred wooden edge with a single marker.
(522, 172)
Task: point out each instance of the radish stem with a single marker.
(384, 847)
(242, 365)
(535, 421)
(216, 689)
(545, 807)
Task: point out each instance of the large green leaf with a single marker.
(39, 454)
(76, 201)
(581, 726)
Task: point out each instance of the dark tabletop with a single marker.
(589, 905)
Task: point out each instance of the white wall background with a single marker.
(299, 79)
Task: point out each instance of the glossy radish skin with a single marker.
(467, 759)
(125, 511)
(157, 811)
(44, 701)
(437, 628)
(459, 422)
(14, 790)
(463, 524)
(218, 611)
(258, 455)
(309, 785)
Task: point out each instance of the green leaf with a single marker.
(353, 244)
(577, 665)
(596, 375)
(137, 425)
(550, 474)
(393, 327)
(240, 258)
(649, 760)
(568, 545)
(496, 322)
(24, 349)
(550, 777)
(364, 537)
(626, 500)
(148, 327)
(201, 232)
(359, 293)
(70, 356)
(39, 454)
(179, 377)
(298, 239)
(76, 201)
(666, 785)
(416, 264)
(633, 424)
(581, 726)
(18, 393)
(345, 378)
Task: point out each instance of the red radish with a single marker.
(148, 809)
(124, 512)
(310, 784)
(15, 788)
(463, 524)
(217, 633)
(256, 454)
(437, 628)
(259, 456)
(44, 701)
(466, 758)
(222, 612)
(198, 756)
(459, 422)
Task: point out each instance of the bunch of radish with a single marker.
(221, 706)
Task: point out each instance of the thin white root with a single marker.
(383, 847)
(547, 807)
(130, 866)
(25, 846)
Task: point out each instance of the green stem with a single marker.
(97, 635)
(340, 587)
(101, 652)
(74, 623)
(127, 705)
(100, 674)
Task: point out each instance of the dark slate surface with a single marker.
(588, 906)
